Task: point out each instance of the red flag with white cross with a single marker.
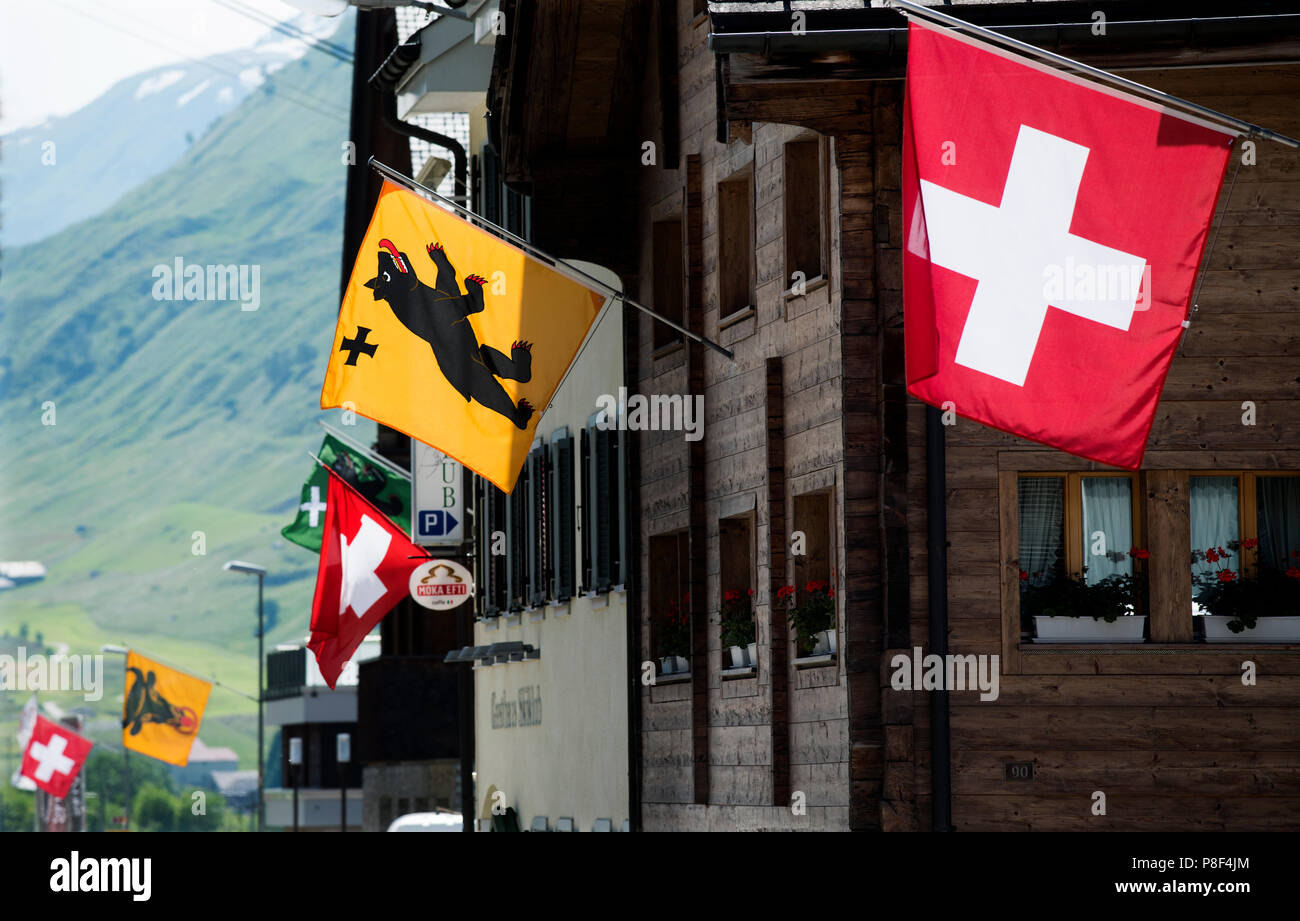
(54, 756)
(365, 569)
(1053, 230)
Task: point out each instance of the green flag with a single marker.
(387, 490)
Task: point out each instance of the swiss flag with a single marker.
(365, 568)
(1053, 229)
(54, 756)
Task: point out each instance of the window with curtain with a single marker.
(1212, 510)
(1277, 501)
(1106, 505)
(1042, 528)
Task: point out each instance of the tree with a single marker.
(17, 808)
(155, 809)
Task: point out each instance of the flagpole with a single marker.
(569, 267)
(910, 8)
(366, 452)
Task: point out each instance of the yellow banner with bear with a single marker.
(454, 336)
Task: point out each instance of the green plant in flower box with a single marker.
(1242, 595)
(737, 617)
(809, 615)
(1064, 595)
(673, 635)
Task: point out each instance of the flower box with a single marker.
(1126, 629)
(674, 665)
(1266, 630)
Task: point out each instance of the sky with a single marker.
(58, 55)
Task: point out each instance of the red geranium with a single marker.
(1227, 575)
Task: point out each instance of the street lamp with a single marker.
(343, 741)
(295, 767)
(126, 752)
(253, 569)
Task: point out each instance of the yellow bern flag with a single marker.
(453, 336)
(162, 710)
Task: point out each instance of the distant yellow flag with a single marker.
(453, 336)
(161, 710)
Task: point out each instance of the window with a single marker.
(812, 518)
(1277, 525)
(736, 584)
(735, 245)
(562, 531)
(1085, 523)
(604, 506)
(1230, 507)
(669, 279)
(1077, 524)
(805, 210)
(669, 591)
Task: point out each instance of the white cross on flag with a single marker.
(365, 568)
(54, 756)
(1053, 232)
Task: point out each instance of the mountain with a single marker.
(180, 427)
(71, 168)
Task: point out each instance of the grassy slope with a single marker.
(176, 417)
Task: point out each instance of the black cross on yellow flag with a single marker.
(453, 336)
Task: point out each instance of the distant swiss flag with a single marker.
(54, 756)
(365, 569)
(1053, 232)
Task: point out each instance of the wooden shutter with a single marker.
(517, 541)
(588, 523)
(483, 560)
(562, 517)
(617, 510)
(538, 572)
(604, 497)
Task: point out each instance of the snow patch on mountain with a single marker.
(158, 82)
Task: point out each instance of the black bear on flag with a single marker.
(438, 316)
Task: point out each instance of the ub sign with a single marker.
(437, 497)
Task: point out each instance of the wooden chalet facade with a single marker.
(745, 178)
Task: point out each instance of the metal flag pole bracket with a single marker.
(559, 264)
(1239, 126)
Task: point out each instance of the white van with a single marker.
(428, 821)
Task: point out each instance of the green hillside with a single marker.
(176, 417)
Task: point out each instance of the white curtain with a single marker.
(1042, 515)
(1107, 526)
(1278, 500)
(1213, 512)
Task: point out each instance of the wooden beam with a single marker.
(778, 636)
(1168, 569)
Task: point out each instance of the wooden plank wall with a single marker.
(1174, 740)
(709, 753)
